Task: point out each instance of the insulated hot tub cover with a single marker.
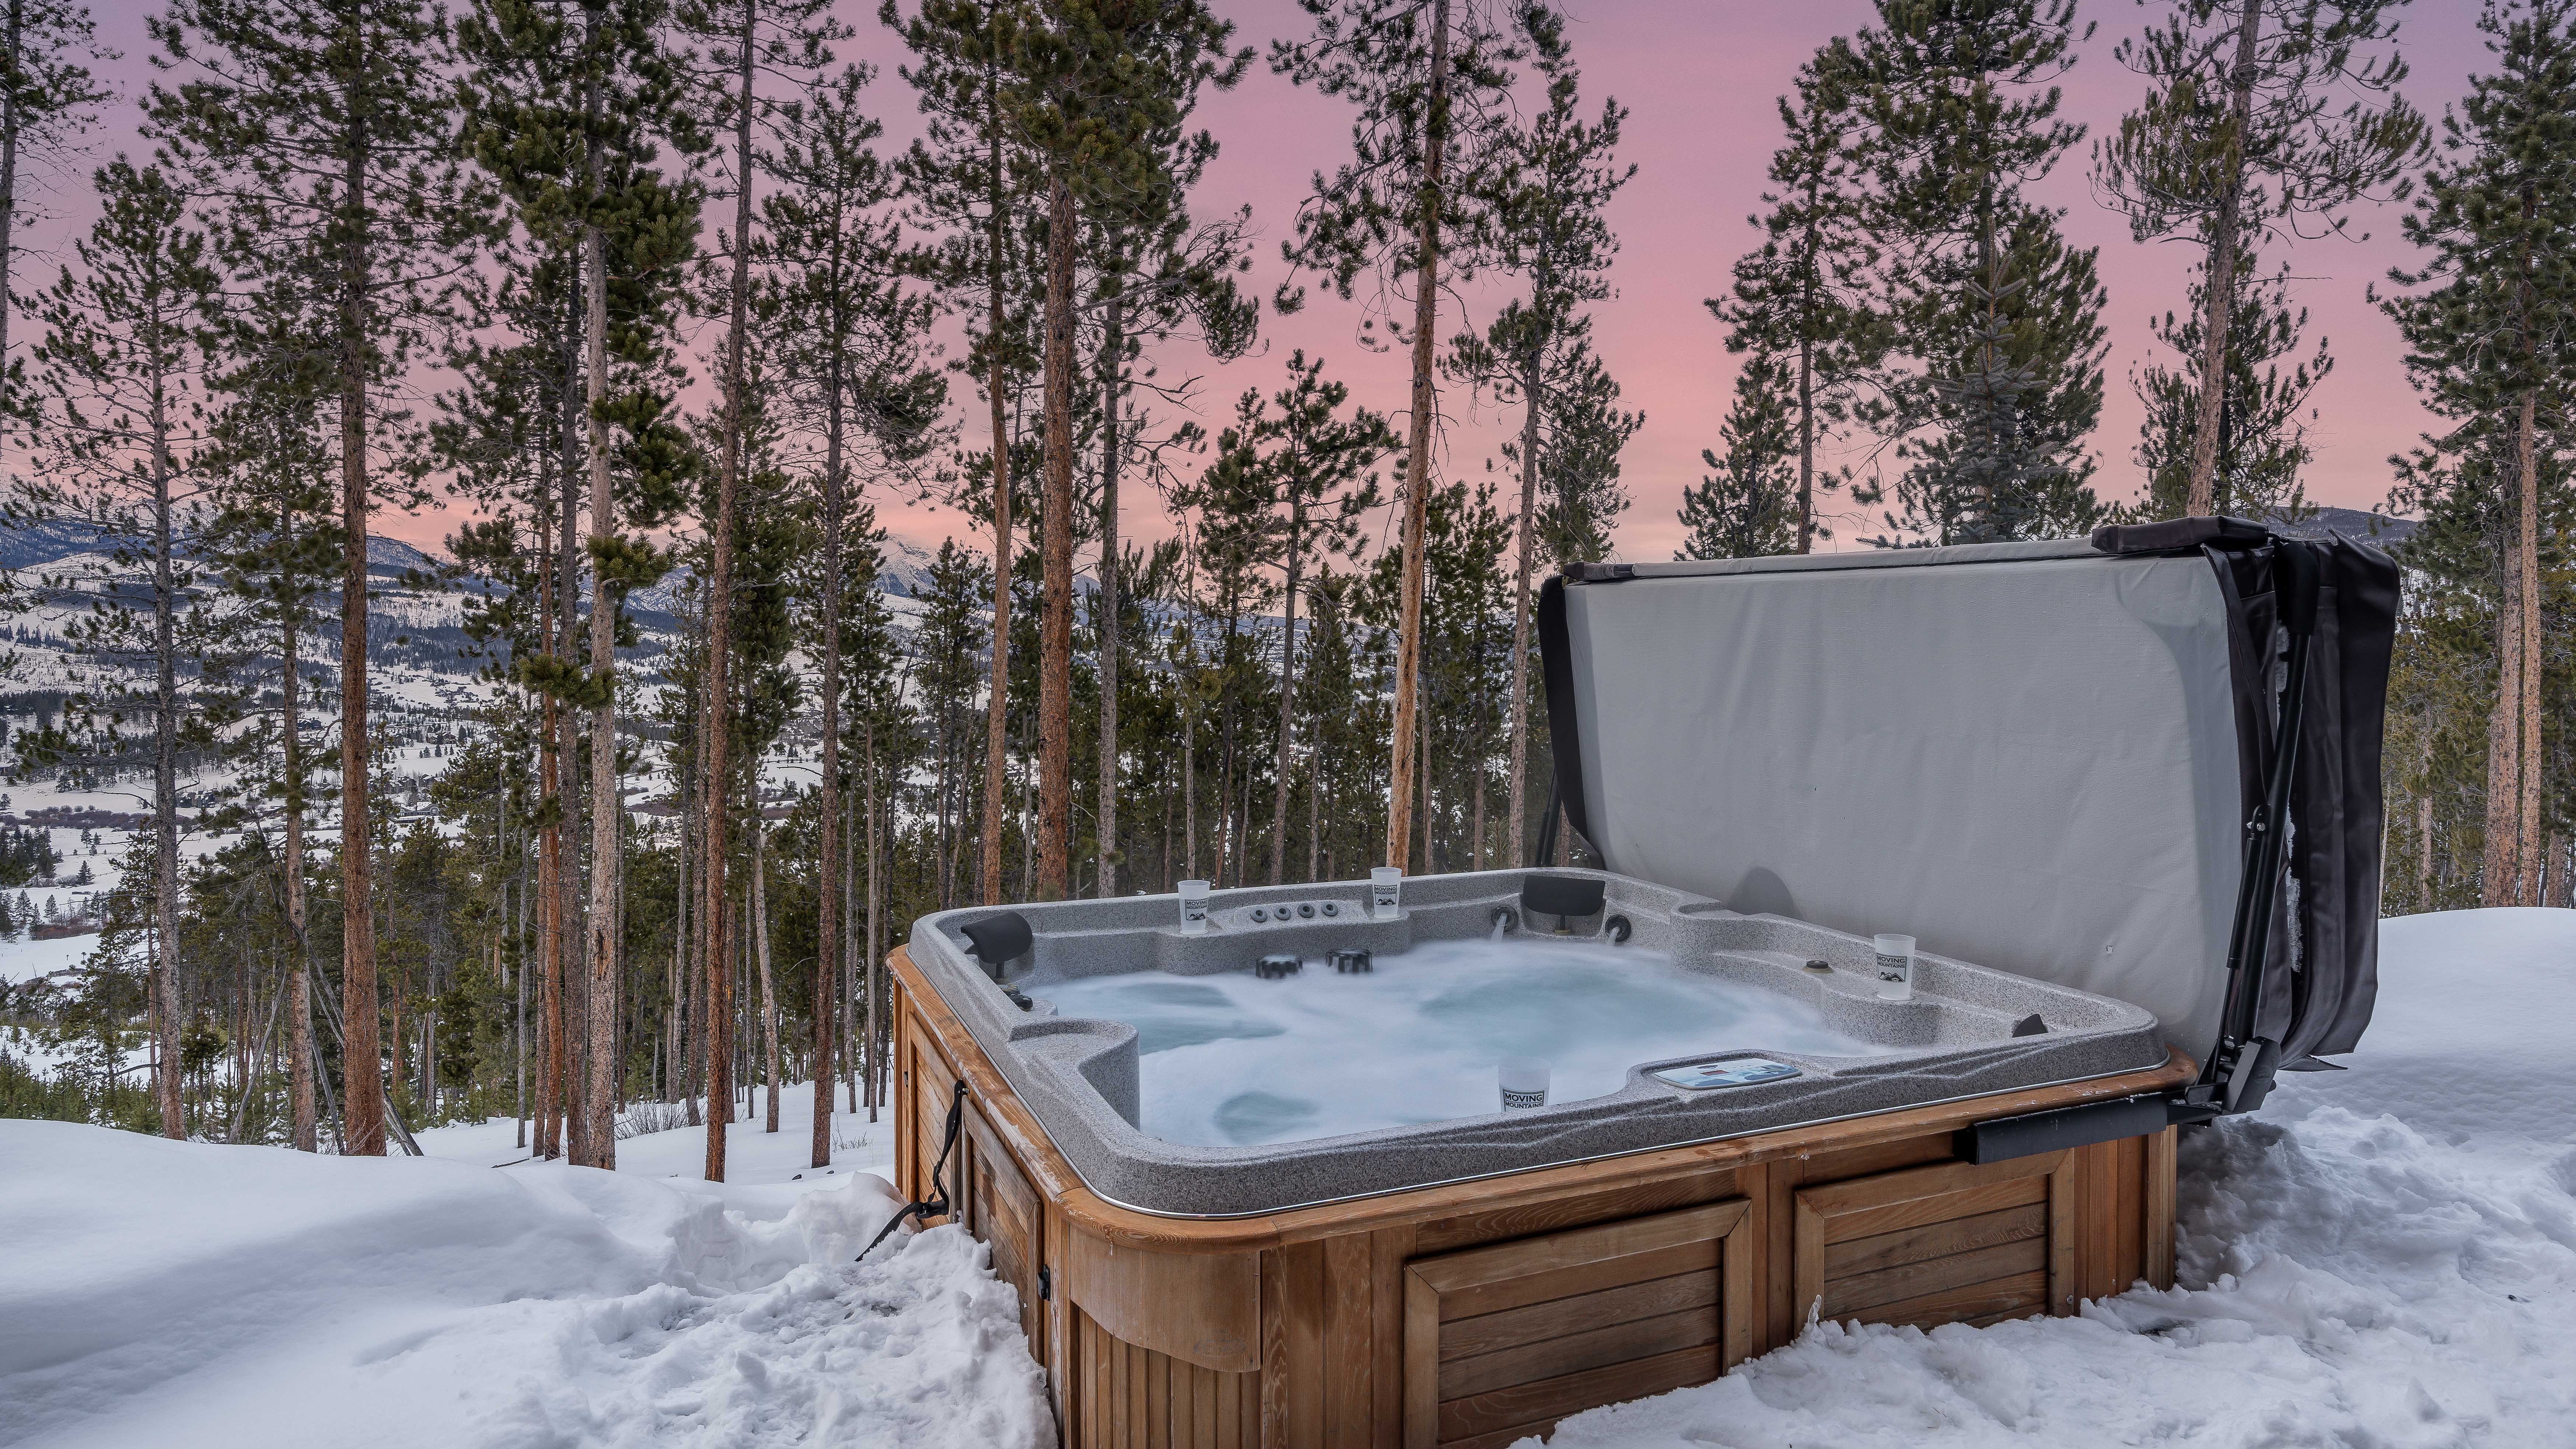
(2056, 758)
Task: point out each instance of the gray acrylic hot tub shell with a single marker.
(1079, 1076)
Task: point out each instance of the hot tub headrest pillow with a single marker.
(998, 940)
(1560, 895)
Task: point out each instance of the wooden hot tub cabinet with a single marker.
(1476, 1313)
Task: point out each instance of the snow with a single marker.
(2384, 1259)
(207, 1295)
(1233, 1059)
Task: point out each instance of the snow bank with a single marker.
(183, 1293)
(2385, 1258)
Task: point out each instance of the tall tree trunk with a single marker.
(997, 710)
(720, 707)
(575, 1015)
(11, 122)
(1105, 605)
(2499, 874)
(829, 868)
(868, 961)
(299, 982)
(607, 801)
(1054, 823)
(1417, 472)
(2529, 821)
(760, 955)
(1287, 686)
(362, 1077)
(1807, 381)
(2220, 273)
(1525, 543)
(165, 771)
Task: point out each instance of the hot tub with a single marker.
(2126, 792)
(1177, 1080)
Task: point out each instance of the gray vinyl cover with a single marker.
(2024, 755)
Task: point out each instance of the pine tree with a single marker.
(1089, 89)
(1429, 78)
(1748, 506)
(1556, 176)
(1580, 495)
(129, 342)
(1313, 463)
(1999, 315)
(963, 175)
(277, 531)
(849, 334)
(1805, 292)
(332, 127)
(2238, 138)
(2264, 414)
(48, 97)
(2487, 344)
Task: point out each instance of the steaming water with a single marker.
(1233, 1060)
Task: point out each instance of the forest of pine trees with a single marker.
(639, 291)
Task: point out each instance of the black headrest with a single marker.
(1560, 895)
(998, 940)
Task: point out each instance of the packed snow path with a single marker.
(2385, 1259)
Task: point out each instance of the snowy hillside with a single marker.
(2385, 1258)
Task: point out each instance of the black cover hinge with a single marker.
(1599, 573)
(2002, 1139)
(1046, 1283)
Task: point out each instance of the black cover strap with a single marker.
(2181, 535)
(937, 1204)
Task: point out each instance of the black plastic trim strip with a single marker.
(1564, 730)
(2001, 1139)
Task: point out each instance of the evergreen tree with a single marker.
(331, 127)
(1090, 88)
(1556, 177)
(277, 531)
(1805, 292)
(2487, 337)
(1748, 506)
(849, 333)
(963, 174)
(128, 344)
(2264, 415)
(2238, 138)
(2000, 316)
(1429, 79)
(1580, 495)
(48, 97)
(1313, 462)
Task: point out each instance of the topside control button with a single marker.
(1306, 910)
(1260, 914)
(1332, 908)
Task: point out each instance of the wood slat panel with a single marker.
(1846, 1296)
(1388, 1248)
(1920, 1182)
(1581, 1313)
(2159, 1209)
(1579, 1246)
(1522, 1220)
(1302, 1304)
(1530, 1408)
(1618, 1343)
(1350, 1342)
(1996, 1299)
(1477, 1300)
(1932, 1240)
(1914, 1212)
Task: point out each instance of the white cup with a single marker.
(1194, 907)
(1386, 890)
(1895, 967)
(1523, 1081)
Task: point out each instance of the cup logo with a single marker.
(1891, 969)
(1517, 1101)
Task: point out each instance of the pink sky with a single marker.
(1699, 81)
